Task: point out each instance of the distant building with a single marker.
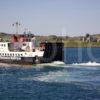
(89, 38)
(98, 39)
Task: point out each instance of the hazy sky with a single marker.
(71, 17)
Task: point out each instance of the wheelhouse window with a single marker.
(13, 54)
(18, 54)
(8, 54)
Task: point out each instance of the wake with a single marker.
(87, 64)
(55, 64)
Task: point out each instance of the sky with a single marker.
(51, 17)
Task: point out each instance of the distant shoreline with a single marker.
(69, 42)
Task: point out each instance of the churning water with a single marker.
(52, 81)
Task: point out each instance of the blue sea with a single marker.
(77, 78)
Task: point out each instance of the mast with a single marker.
(16, 24)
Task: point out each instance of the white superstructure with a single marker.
(17, 50)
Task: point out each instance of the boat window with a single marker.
(15, 47)
(24, 44)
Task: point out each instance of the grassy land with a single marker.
(81, 44)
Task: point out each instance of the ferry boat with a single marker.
(22, 49)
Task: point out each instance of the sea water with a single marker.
(53, 81)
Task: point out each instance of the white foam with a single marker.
(55, 63)
(48, 77)
(64, 75)
(87, 64)
(58, 62)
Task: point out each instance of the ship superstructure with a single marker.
(21, 48)
(24, 49)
